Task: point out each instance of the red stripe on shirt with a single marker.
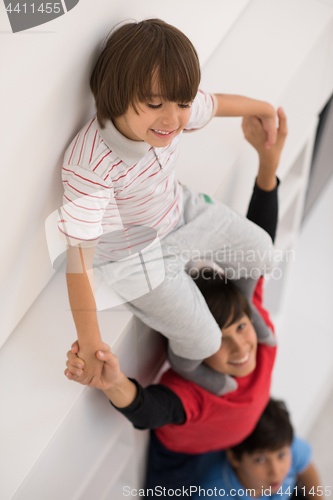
(88, 194)
(80, 220)
(92, 149)
(84, 178)
(116, 164)
(128, 185)
(79, 206)
(131, 246)
(102, 160)
(74, 237)
(167, 211)
(152, 175)
(152, 216)
(121, 176)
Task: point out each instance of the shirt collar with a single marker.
(131, 152)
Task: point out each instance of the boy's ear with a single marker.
(232, 459)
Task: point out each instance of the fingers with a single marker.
(76, 368)
(271, 135)
(105, 347)
(106, 356)
(101, 355)
(73, 369)
(283, 128)
(250, 121)
(252, 126)
(74, 360)
(75, 365)
(71, 376)
(75, 347)
(84, 380)
(245, 123)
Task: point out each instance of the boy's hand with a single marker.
(93, 366)
(268, 120)
(110, 373)
(116, 386)
(255, 134)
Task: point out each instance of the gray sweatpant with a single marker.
(176, 307)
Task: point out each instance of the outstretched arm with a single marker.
(263, 207)
(268, 159)
(118, 388)
(237, 105)
(80, 286)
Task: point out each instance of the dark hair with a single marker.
(135, 54)
(272, 432)
(225, 301)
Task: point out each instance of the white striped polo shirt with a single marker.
(111, 182)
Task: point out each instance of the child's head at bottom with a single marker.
(231, 311)
(263, 459)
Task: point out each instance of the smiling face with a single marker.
(262, 469)
(156, 121)
(237, 354)
(133, 55)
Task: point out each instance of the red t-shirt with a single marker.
(218, 422)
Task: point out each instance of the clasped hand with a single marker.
(108, 367)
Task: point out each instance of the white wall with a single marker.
(45, 98)
(281, 51)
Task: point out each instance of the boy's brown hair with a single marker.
(272, 432)
(134, 55)
(225, 301)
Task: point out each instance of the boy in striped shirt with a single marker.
(123, 205)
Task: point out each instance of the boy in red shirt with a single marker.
(189, 420)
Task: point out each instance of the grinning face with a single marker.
(237, 354)
(157, 122)
(262, 469)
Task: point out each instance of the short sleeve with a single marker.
(301, 455)
(86, 196)
(187, 393)
(203, 109)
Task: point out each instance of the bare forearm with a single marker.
(123, 393)
(83, 306)
(237, 105)
(80, 286)
(266, 178)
